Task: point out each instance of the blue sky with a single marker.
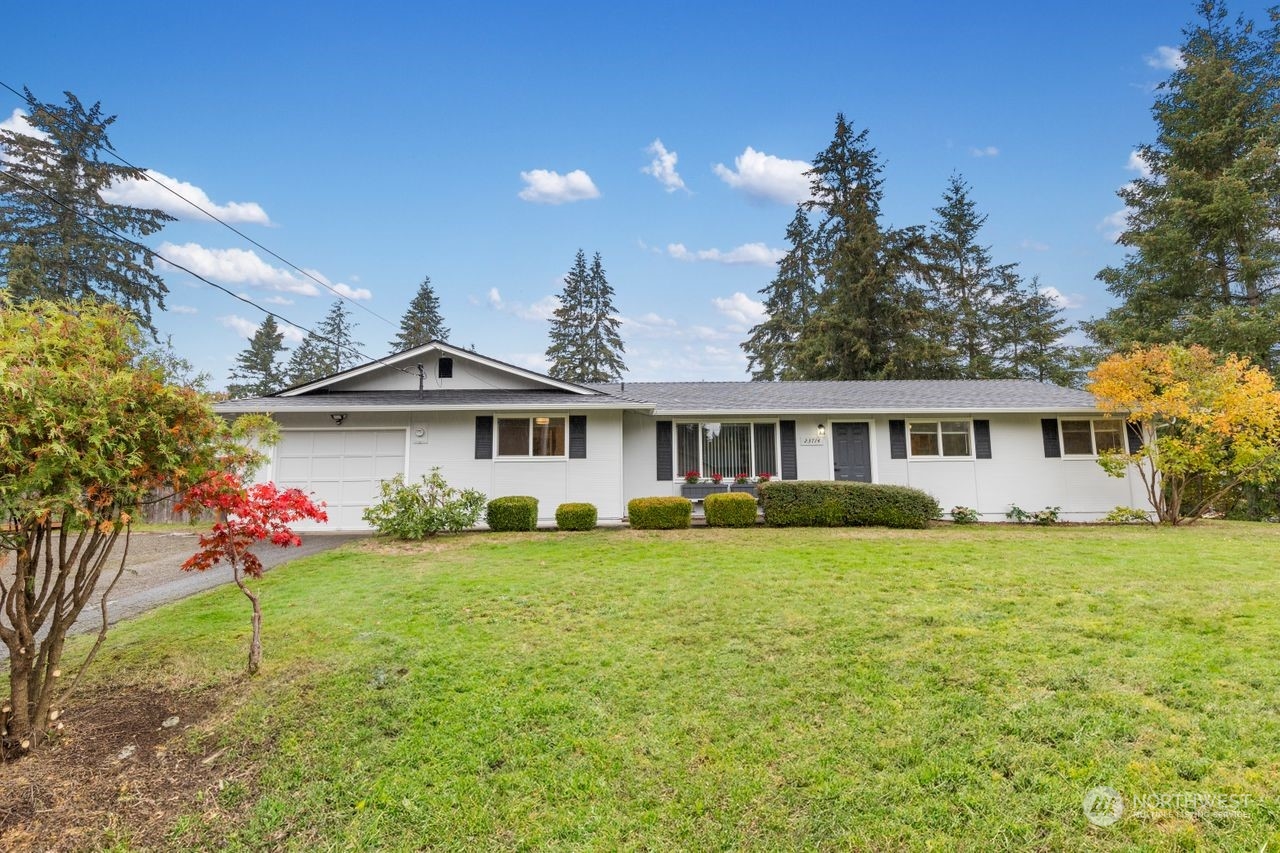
(483, 144)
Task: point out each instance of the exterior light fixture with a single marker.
(338, 417)
(542, 421)
(822, 430)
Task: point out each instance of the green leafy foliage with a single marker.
(1043, 517)
(659, 513)
(330, 348)
(576, 516)
(586, 345)
(964, 515)
(421, 510)
(1127, 515)
(731, 509)
(813, 503)
(422, 321)
(512, 513)
(258, 365)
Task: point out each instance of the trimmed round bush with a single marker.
(731, 509)
(662, 513)
(820, 503)
(576, 516)
(513, 512)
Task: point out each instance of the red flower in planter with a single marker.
(742, 479)
(763, 477)
(717, 478)
(691, 477)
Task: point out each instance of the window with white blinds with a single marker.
(728, 449)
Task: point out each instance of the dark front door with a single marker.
(852, 451)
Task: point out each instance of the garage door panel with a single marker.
(343, 468)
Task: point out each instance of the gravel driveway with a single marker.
(153, 574)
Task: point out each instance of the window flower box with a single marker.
(699, 491)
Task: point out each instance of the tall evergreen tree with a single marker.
(422, 321)
(789, 303)
(51, 185)
(1031, 335)
(585, 343)
(869, 313)
(1203, 226)
(258, 364)
(330, 348)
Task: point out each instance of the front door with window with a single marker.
(851, 448)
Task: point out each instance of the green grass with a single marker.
(755, 689)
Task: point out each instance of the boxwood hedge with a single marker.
(576, 516)
(808, 503)
(513, 512)
(663, 513)
(730, 509)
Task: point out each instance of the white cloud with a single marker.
(1166, 59)
(17, 122)
(1062, 300)
(663, 167)
(535, 361)
(236, 266)
(985, 151)
(1138, 164)
(359, 293)
(183, 309)
(247, 328)
(1033, 245)
(543, 186)
(741, 309)
(541, 311)
(767, 177)
(1115, 224)
(747, 253)
(141, 192)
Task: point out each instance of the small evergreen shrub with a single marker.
(731, 509)
(1127, 515)
(419, 510)
(820, 503)
(964, 515)
(664, 513)
(576, 516)
(1045, 517)
(513, 512)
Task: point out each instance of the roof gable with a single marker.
(470, 371)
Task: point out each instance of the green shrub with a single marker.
(513, 512)
(964, 515)
(1045, 517)
(423, 509)
(815, 503)
(731, 509)
(1127, 515)
(668, 513)
(575, 516)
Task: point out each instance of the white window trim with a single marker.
(498, 456)
(1093, 437)
(728, 478)
(939, 457)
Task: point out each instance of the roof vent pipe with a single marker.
(421, 378)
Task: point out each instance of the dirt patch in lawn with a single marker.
(121, 768)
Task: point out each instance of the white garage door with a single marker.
(341, 467)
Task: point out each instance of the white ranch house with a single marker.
(505, 430)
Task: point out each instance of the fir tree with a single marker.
(258, 365)
(51, 201)
(789, 303)
(330, 348)
(1203, 226)
(422, 322)
(869, 313)
(1032, 336)
(22, 276)
(585, 343)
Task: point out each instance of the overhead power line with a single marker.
(155, 254)
(31, 102)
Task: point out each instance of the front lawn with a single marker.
(761, 689)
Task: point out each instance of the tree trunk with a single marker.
(255, 641)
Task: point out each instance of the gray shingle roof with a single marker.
(492, 398)
(921, 395)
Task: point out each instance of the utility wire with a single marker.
(232, 294)
(32, 103)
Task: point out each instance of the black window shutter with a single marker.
(982, 439)
(787, 439)
(1049, 428)
(664, 450)
(484, 436)
(1134, 433)
(897, 439)
(577, 436)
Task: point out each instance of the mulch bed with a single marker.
(115, 770)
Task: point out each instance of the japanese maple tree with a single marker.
(246, 516)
